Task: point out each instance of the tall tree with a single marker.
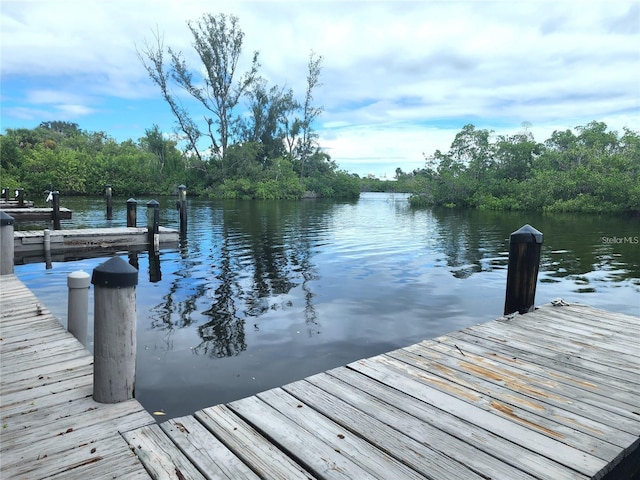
(218, 42)
(307, 140)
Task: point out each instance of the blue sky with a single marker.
(399, 79)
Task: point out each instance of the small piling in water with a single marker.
(55, 195)
(153, 225)
(522, 273)
(182, 208)
(108, 193)
(132, 213)
(6, 243)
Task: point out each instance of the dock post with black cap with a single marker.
(114, 363)
(132, 212)
(522, 273)
(108, 194)
(182, 208)
(55, 215)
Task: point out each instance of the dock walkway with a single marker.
(553, 394)
(50, 425)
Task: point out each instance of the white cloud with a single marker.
(390, 67)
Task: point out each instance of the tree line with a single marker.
(239, 137)
(588, 169)
(62, 156)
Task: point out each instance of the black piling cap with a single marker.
(132, 200)
(526, 234)
(6, 219)
(115, 273)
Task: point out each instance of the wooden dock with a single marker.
(30, 243)
(50, 425)
(29, 214)
(553, 394)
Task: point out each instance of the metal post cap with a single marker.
(6, 219)
(115, 273)
(526, 234)
(132, 200)
(153, 203)
(79, 279)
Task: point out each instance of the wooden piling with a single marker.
(153, 224)
(56, 209)
(132, 212)
(114, 365)
(78, 305)
(108, 192)
(522, 272)
(20, 196)
(46, 243)
(6, 243)
(182, 208)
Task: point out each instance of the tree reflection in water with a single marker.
(258, 257)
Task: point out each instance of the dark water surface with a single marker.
(265, 293)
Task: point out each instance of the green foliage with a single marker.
(593, 170)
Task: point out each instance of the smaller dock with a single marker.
(29, 214)
(4, 204)
(29, 244)
(50, 425)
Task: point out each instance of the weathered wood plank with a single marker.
(403, 436)
(93, 453)
(505, 426)
(323, 460)
(555, 411)
(358, 450)
(48, 372)
(40, 380)
(557, 352)
(161, 457)
(582, 374)
(423, 420)
(593, 343)
(204, 450)
(524, 380)
(248, 444)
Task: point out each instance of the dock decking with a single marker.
(553, 394)
(32, 214)
(29, 244)
(50, 425)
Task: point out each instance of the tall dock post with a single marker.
(153, 225)
(114, 350)
(78, 305)
(132, 212)
(46, 241)
(182, 207)
(20, 196)
(5, 194)
(522, 273)
(6, 243)
(108, 193)
(55, 195)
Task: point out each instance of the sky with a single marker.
(399, 78)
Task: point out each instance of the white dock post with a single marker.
(114, 342)
(78, 305)
(6, 244)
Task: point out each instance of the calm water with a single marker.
(264, 293)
